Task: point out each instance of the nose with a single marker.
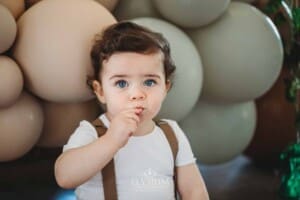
(137, 93)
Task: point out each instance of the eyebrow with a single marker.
(123, 76)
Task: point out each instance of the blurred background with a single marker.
(235, 91)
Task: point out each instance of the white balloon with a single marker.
(191, 13)
(188, 75)
(220, 132)
(242, 54)
(128, 9)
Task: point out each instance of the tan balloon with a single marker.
(109, 4)
(16, 7)
(129, 9)
(61, 119)
(8, 29)
(53, 47)
(11, 81)
(20, 127)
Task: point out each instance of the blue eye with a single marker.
(121, 84)
(150, 82)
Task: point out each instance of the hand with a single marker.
(123, 125)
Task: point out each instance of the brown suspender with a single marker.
(108, 172)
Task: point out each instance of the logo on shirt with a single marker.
(150, 179)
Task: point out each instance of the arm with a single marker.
(190, 183)
(76, 166)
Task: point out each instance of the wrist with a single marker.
(111, 141)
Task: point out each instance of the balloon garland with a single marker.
(288, 12)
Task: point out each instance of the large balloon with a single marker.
(8, 29)
(242, 54)
(61, 119)
(128, 9)
(191, 13)
(16, 7)
(11, 81)
(188, 76)
(275, 125)
(53, 47)
(20, 127)
(219, 132)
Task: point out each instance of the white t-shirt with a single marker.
(143, 167)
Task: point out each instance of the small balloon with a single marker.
(129, 9)
(20, 127)
(16, 7)
(8, 29)
(191, 13)
(11, 81)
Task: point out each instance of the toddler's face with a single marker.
(133, 80)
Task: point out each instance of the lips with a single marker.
(139, 109)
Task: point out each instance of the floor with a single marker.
(238, 179)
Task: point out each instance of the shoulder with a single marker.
(174, 125)
(85, 133)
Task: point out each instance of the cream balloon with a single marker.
(53, 47)
(11, 81)
(8, 29)
(219, 133)
(20, 127)
(129, 9)
(16, 7)
(191, 13)
(61, 119)
(188, 75)
(109, 4)
(242, 54)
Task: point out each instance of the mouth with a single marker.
(139, 109)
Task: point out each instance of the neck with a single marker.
(144, 128)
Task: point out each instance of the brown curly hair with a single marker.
(129, 37)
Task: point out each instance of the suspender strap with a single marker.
(108, 172)
(173, 142)
(168, 131)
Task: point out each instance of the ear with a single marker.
(168, 85)
(98, 90)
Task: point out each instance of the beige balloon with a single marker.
(109, 4)
(53, 47)
(8, 30)
(129, 9)
(191, 13)
(20, 127)
(11, 81)
(61, 119)
(16, 7)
